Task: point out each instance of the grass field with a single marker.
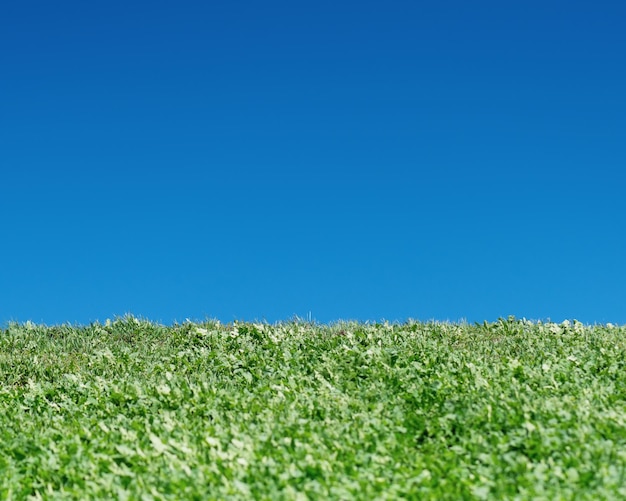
(296, 410)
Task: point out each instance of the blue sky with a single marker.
(356, 160)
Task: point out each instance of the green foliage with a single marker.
(135, 410)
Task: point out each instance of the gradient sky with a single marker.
(364, 160)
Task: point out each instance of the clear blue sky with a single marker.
(357, 160)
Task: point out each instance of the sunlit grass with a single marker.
(297, 410)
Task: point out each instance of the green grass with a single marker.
(134, 410)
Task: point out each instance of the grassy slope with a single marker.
(510, 410)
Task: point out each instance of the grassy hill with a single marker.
(135, 410)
